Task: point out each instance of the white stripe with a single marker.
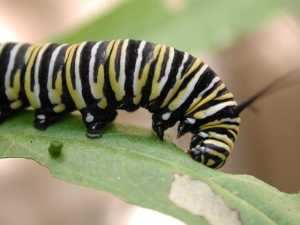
(78, 85)
(214, 109)
(36, 88)
(217, 143)
(212, 83)
(92, 66)
(185, 58)
(51, 71)
(138, 66)
(10, 67)
(190, 87)
(122, 77)
(178, 75)
(168, 69)
(222, 137)
(233, 120)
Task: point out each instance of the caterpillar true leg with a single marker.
(161, 122)
(158, 125)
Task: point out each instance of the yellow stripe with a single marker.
(58, 88)
(71, 51)
(225, 96)
(222, 137)
(16, 104)
(227, 126)
(217, 143)
(180, 81)
(74, 94)
(99, 87)
(232, 120)
(30, 95)
(155, 90)
(216, 153)
(233, 134)
(13, 93)
(210, 162)
(142, 81)
(178, 100)
(208, 98)
(192, 106)
(222, 124)
(58, 91)
(59, 108)
(195, 65)
(118, 90)
(101, 78)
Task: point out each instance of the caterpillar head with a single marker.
(209, 151)
(213, 137)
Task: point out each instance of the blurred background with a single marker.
(249, 43)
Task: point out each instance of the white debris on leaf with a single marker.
(198, 198)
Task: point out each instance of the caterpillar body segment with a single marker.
(98, 78)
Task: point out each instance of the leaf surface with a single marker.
(136, 166)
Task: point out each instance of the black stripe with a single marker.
(221, 130)
(118, 60)
(23, 66)
(205, 80)
(43, 76)
(108, 91)
(66, 97)
(19, 61)
(85, 59)
(4, 60)
(219, 140)
(146, 91)
(212, 89)
(101, 57)
(179, 112)
(147, 55)
(132, 55)
(72, 68)
(32, 80)
(210, 104)
(177, 61)
(164, 63)
(188, 64)
(218, 149)
(59, 63)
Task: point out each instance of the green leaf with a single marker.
(196, 25)
(136, 166)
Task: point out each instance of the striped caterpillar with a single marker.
(97, 78)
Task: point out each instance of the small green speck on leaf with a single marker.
(55, 149)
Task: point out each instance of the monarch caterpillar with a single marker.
(97, 78)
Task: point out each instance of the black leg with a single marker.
(45, 117)
(95, 120)
(158, 126)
